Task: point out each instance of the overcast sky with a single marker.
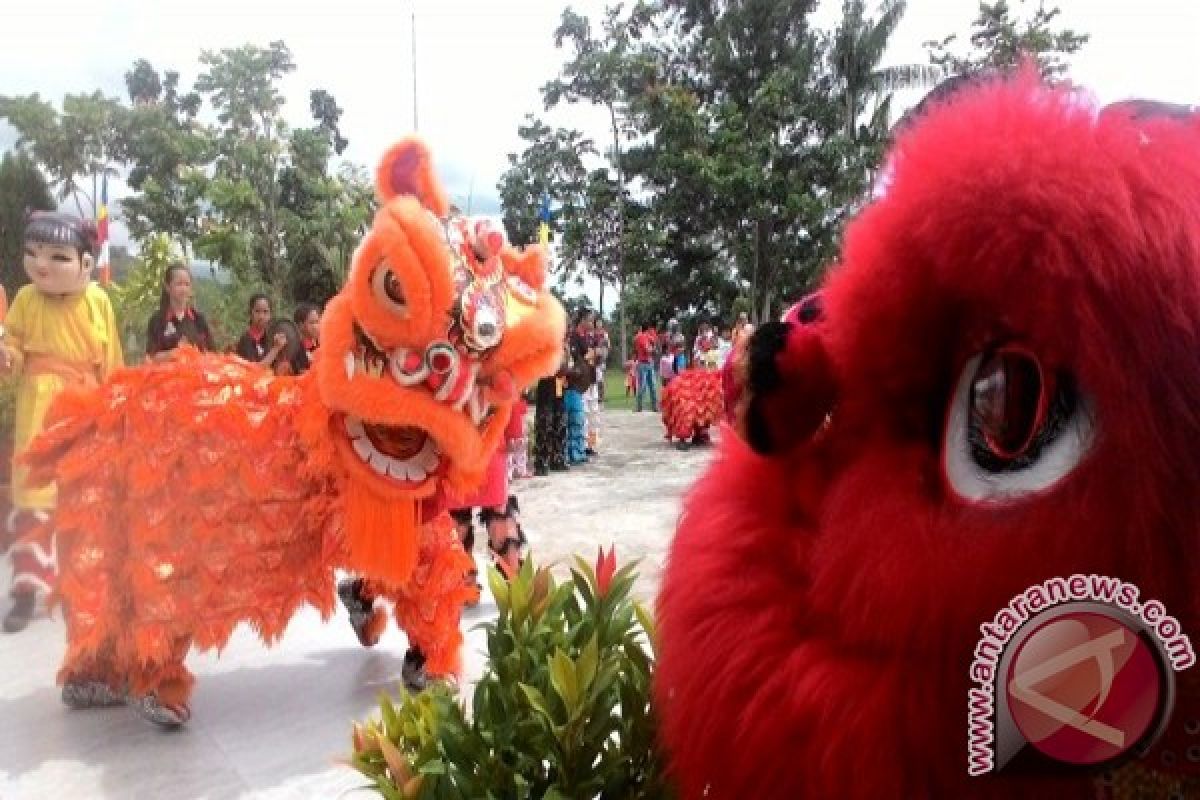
(480, 63)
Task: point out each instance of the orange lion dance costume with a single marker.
(204, 493)
(691, 404)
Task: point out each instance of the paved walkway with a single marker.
(269, 724)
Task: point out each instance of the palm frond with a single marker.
(905, 76)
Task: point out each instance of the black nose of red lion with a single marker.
(785, 387)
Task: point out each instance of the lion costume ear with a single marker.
(407, 169)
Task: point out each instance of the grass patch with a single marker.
(614, 388)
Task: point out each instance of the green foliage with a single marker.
(167, 150)
(74, 146)
(248, 193)
(563, 710)
(750, 137)
(138, 295)
(22, 189)
(749, 153)
(550, 166)
(859, 43)
(999, 40)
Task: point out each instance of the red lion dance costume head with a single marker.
(203, 493)
(1000, 385)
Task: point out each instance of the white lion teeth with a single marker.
(380, 463)
(411, 470)
(348, 363)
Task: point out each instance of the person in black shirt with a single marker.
(291, 359)
(308, 320)
(176, 321)
(255, 346)
(581, 374)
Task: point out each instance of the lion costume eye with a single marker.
(388, 289)
(1013, 428)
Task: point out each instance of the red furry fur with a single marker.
(820, 608)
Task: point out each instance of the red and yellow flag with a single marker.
(103, 262)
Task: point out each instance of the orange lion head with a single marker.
(425, 350)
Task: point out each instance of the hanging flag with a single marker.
(544, 216)
(103, 263)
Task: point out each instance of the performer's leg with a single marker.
(558, 437)
(34, 565)
(464, 528)
(575, 428)
(92, 683)
(160, 688)
(521, 457)
(368, 622)
(429, 608)
(94, 607)
(543, 435)
(591, 402)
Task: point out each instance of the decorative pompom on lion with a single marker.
(204, 493)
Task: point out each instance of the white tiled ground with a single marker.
(266, 725)
(269, 724)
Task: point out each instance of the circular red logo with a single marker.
(1084, 688)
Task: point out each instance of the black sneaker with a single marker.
(361, 608)
(413, 672)
(21, 612)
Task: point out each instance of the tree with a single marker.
(859, 43)
(22, 189)
(323, 216)
(327, 113)
(74, 147)
(747, 133)
(245, 230)
(549, 170)
(999, 41)
(168, 152)
(603, 71)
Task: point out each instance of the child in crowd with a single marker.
(308, 320)
(255, 346)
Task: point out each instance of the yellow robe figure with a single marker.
(56, 341)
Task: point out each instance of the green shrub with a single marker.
(562, 710)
